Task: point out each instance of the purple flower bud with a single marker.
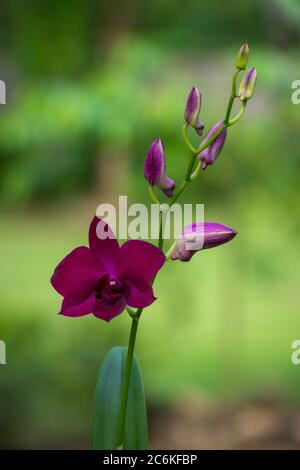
(201, 236)
(247, 84)
(192, 110)
(211, 153)
(155, 168)
(242, 57)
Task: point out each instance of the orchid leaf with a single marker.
(105, 426)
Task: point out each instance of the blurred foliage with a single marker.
(80, 77)
(90, 83)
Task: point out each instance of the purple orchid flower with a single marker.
(155, 168)
(201, 236)
(192, 110)
(211, 153)
(105, 277)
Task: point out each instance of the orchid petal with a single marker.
(77, 274)
(138, 262)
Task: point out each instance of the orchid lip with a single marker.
(110, 289)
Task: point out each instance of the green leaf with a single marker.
(105, 426)
(136, 429)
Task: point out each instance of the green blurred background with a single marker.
(89, 85)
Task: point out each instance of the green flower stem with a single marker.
(232, 121)
(179, 192)
(155, 201)
(190, 167)
(232, 96)
(126, 379)
(196, 172)
(238, 116)
(152, 195)
(190, 176)
(170, 250)
(128, 366)
(130, 311)
(186, 139)
(160, 243)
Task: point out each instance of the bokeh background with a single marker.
(89, 85)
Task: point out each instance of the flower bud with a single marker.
(193, 105)
(242, 57)
(192, 110)
(155, 168)
(201, 236)
(247, 85)
(211, 153)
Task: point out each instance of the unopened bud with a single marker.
(247, 85)
(192, 110)
(155, 168)
(201, 236)
(211, 153)
(242, 57)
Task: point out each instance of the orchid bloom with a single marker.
(106, 277)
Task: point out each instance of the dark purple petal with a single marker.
(77, 274)
(70, 310)
(139, 298)
(213, 234)
(106, 250)
(106, 311)
(139, 262)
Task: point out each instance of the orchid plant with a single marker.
(106, 279)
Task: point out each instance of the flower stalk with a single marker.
(190, 176)
(127, 373)
(136, 316)
(232, 96)
(110, 278)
